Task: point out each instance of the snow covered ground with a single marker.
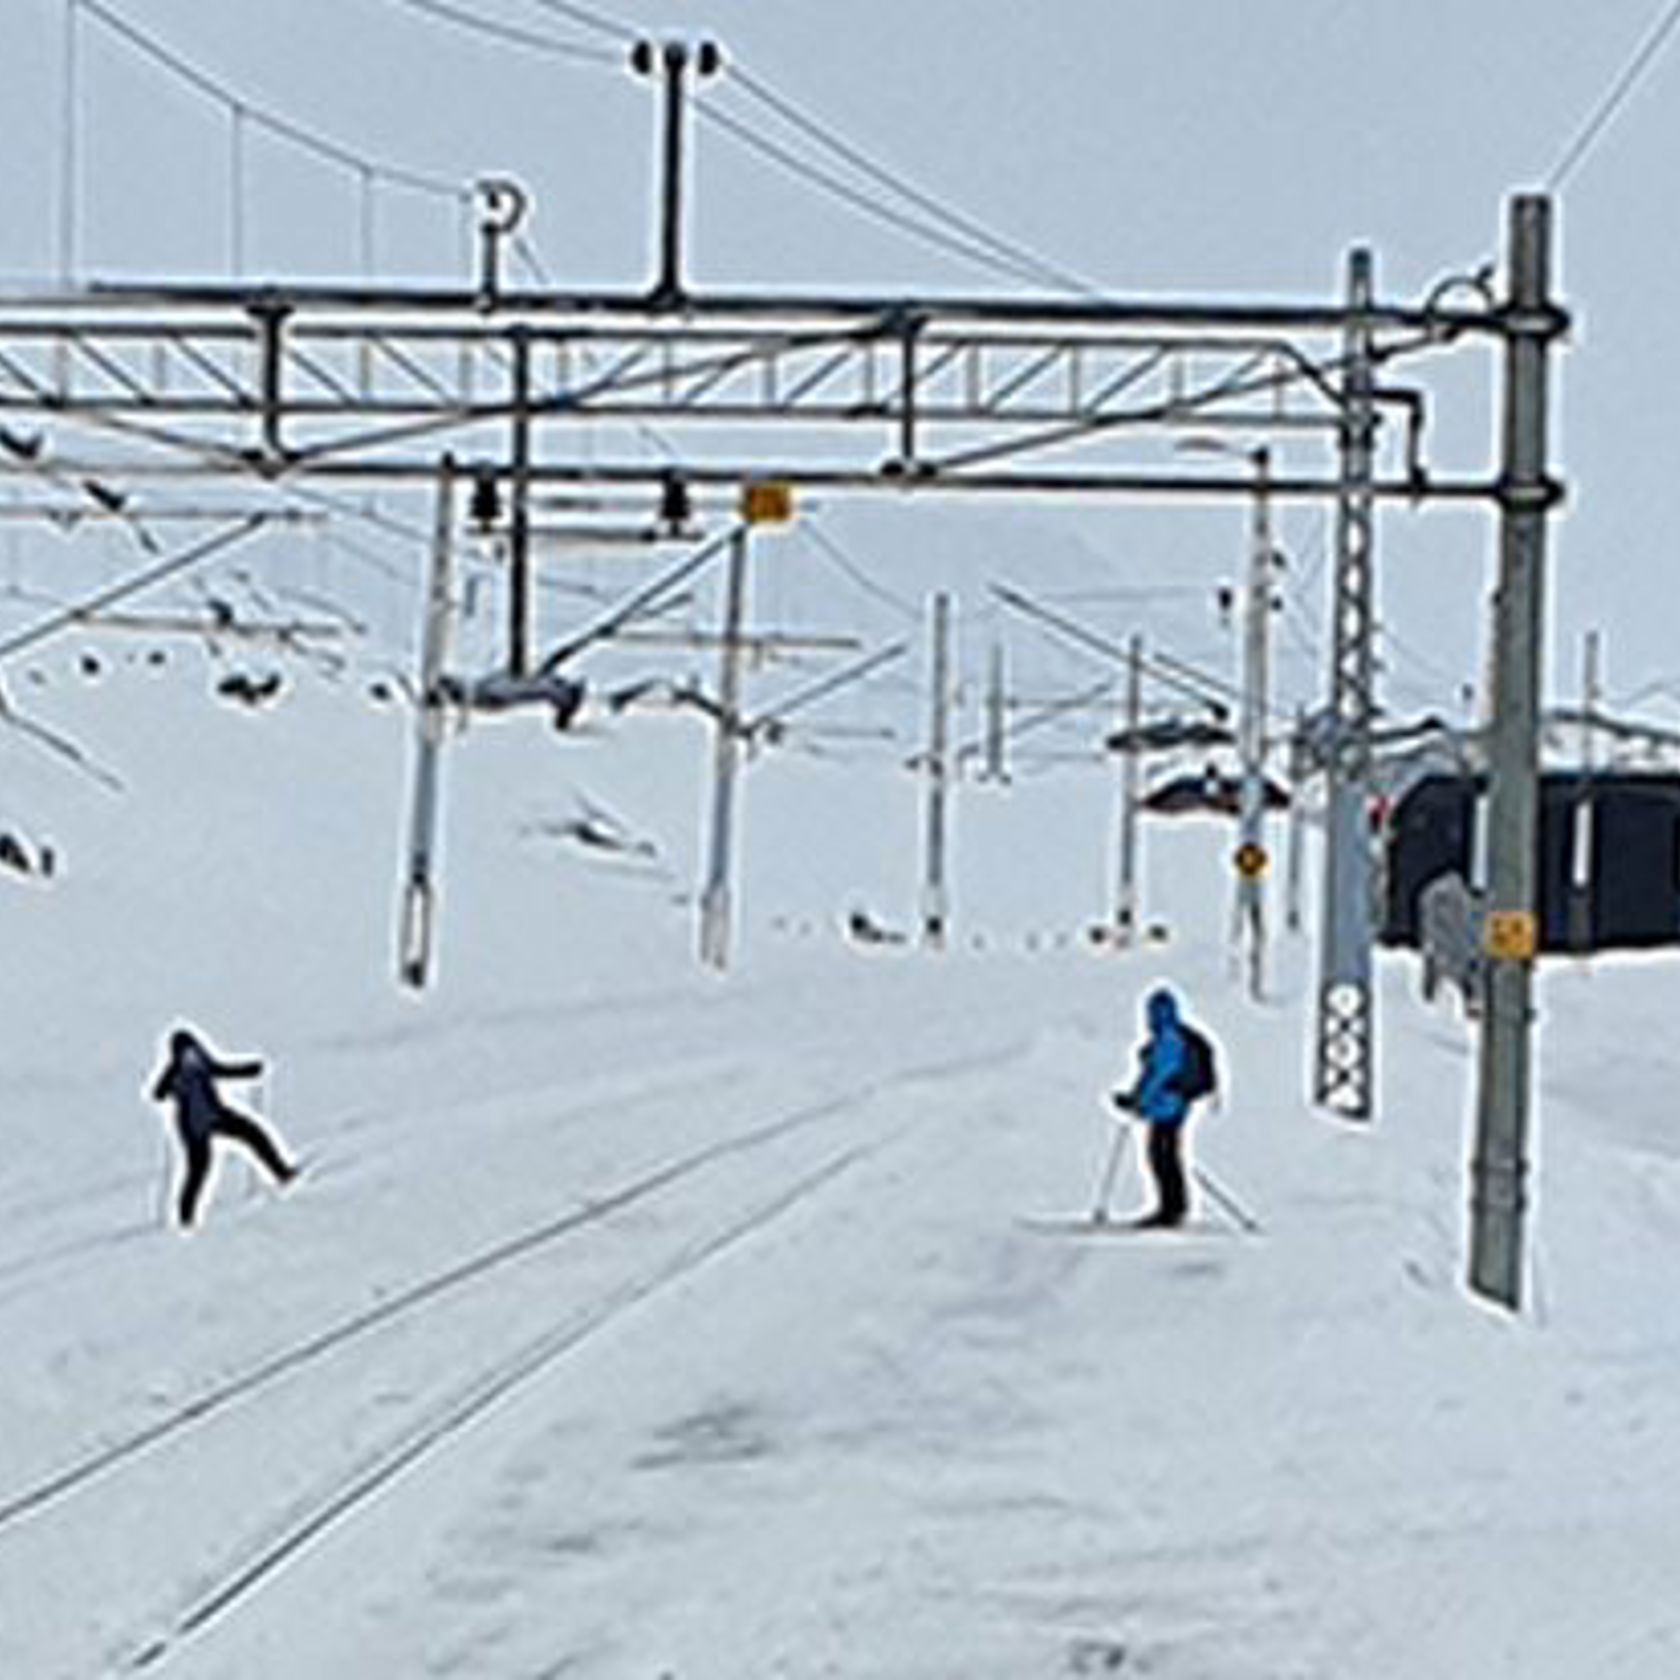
(636, 1324)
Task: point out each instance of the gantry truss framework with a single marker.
(955, 394)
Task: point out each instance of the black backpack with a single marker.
(1199, 1077)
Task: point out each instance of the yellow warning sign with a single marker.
(767, 501)
(1511, 935)
(1251, 860)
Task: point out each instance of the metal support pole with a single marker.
(715, 897)
(996, 770)
(1499, 1164)
(1250, 908)
(69, 162)
(1297, 821)
(1345, 1046)
(519, 513)
(1591, 694)
(271, 334)
(1581, 838)
(669, 285)
(935, 905)
(908, 402)
(673, 59)
(1126, 893)
(366, 257)
(236, 192)
(69, 180)
(415, 932)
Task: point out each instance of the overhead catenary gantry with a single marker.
(1013, 396)
(999, 395)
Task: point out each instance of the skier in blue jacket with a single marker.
(189, 1080)
(1157, 1098)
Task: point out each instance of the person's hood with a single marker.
(1162, 1010)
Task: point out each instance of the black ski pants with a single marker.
(1166, 1166)
(240, 1129)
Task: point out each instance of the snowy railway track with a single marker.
(439, 1421)
(463, 1408)
(357, 1326)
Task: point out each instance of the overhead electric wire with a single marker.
(1664, 687)
(1299, 584)
(368, 513)
(194, 555)
(755, 87)
(371, 558)
(856, 672)
(1131, 593)
(508, 34)
(1163, 668)
(235, 104)
(818, 176)
(1308, 644)
(1052, 711)
(971, 239)
(644, 600)
(808, 125)
(61, 745)
(1436, 672)
(1318, 544)
(1617, 95)
(589, 18)
(840, 559)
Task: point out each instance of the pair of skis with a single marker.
(1099, 1222)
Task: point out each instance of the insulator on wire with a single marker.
(676, 505)
(485, 506)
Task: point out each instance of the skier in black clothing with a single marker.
(189, 1080)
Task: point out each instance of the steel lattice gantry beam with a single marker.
(1344, 1071)
(334, 383)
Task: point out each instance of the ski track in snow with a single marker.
(599, 1207)
(529, 1362)
(334, 1503)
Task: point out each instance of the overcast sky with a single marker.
(1201, 148)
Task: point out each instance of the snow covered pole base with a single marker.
(415, 954)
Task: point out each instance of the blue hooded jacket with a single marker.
(1161, 1060)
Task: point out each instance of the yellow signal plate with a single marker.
(767, 501)
(1251, 860)
(1512, 935)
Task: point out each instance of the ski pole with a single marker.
(1111, 1171)
(1228, 1204)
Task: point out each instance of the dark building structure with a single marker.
(1609, 856)
(1209, 791)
